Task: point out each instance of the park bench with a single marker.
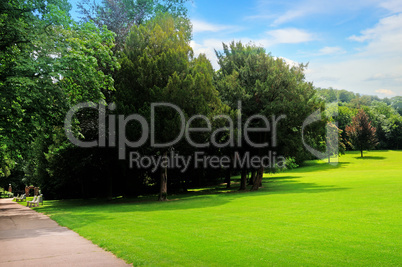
(32, 201)
(18, 195)
(35, 202)
(21, 198)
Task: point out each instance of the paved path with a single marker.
(29, 238)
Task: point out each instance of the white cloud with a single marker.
(290, 36)
(264, 11)
(376, 64)
(385, 92)
(331, 50)
(304, 8)
(208, 47)
(359, 74)
(362, 74)
(394, 6)
(290, 62)
(203, 26)
(385, 76)
(385, 26)
(385, 37)
(299, 9)
(325, 51)
(291, 15)
(259, 17)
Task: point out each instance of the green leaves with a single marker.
(120, 15)
(47, 64)
(158, 66)
(86, 63)
(268, 86)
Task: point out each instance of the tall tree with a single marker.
(268, 86)
(47, 64)
(362, 135)
(158, 66)
(120, 15)
(27, 93)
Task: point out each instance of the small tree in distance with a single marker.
(362, 135)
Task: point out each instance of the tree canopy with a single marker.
(267, 86)
(120, 15)
(159, 59)
(48, 63)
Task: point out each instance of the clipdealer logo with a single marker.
(107, 127)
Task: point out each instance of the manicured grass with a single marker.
(320, 215)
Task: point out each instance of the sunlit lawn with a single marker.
(346, 215)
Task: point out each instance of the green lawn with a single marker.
(321, 215)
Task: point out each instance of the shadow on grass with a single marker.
(275, 178)
(291, 187)
(312, 166)
(370, 158)
(285, 183)
(89, 210)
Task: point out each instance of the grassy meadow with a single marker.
(315, 215)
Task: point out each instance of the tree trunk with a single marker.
(252, 179)
(243, 180)
(258, 180)
(184, 185)
(227, 178)
(163, 189)
(260, 172)
(110, 185)
(361, 151)
(329, 158)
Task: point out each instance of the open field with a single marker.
(322, 215)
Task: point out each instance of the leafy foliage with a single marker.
(120, 15)
(159, 59)
(383, 113)
(47, 64)
(268, 86)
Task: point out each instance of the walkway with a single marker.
(31, 238)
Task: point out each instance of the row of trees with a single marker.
(384, 115)
(48, 63)
(135, 53)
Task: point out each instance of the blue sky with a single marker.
(353, 45)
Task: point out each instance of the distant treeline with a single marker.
(384, 114)
(356, 100)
